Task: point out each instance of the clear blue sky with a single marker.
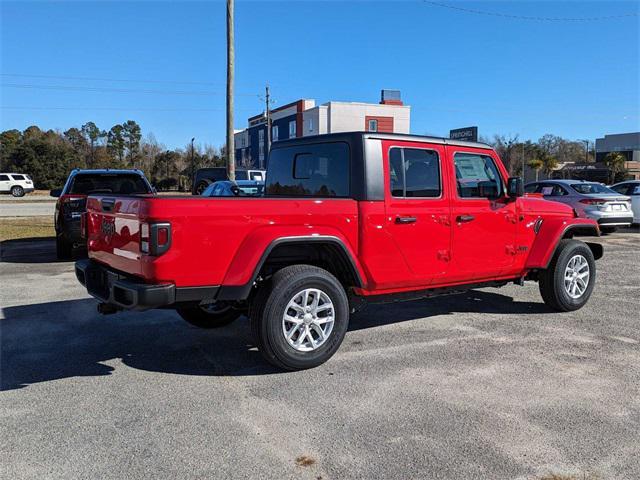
(578, 79)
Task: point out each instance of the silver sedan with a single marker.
(588, 199)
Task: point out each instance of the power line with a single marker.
(121, 109)
(98, 79)
(533, 18)
(115, 90)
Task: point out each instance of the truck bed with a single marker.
(208, 234)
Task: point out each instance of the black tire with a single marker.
(17, 191)
(202, 186)
(268, 307)
(64, 249)
(214, 316)
(552, 280)
(608, 229)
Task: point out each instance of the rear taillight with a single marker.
(83, 225)
(73, 204)
(155, 238)
(593, 201)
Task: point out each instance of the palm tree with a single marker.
(537, 165)
(615, 163)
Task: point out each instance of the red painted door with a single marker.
(483, 218)
(417, 208)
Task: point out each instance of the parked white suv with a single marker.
(17, 184)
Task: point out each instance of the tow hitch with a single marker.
(107, 309)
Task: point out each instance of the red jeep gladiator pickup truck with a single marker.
(346, 219)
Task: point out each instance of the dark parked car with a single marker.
(239, 188)
(72, 199)
(204, 177)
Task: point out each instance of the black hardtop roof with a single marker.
(360, 136)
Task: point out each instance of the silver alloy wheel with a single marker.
(308, 320)
(576, 276)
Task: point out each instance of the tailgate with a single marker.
(113, 231)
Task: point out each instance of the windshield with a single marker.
(589, 188)
(118, 183)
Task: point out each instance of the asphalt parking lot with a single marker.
(487, 385)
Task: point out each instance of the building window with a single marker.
(292, 129)
(261, 153)
(310, 125)
(260, 135)
(373, 126)
(274, 133)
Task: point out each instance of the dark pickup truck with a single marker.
(346, 219)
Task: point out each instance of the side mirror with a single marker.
(515, 187)
(56, 192)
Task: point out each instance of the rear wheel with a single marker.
(210, 316)
(17, 191)
(300, 318)
(568, 282)
(202, 186)
(64, 249)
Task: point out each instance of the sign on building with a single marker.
(469, 134)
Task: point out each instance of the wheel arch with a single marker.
(549, 238)
(325, 251)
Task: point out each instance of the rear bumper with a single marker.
(126, 292)
(615, 221)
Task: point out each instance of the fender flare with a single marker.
(546, 244)
(241, 292)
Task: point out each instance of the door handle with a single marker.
(406, 220)
(465, 218)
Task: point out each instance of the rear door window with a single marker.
(315, 170)
(414, 173)
(477, 176)
(119, 184)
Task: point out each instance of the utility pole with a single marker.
(268, 113)
(586, 152)
(522, 154)
(231, 154)
(193, 165)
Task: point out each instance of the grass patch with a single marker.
(12, 228)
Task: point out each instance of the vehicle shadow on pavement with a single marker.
(32, 250)
(58, 340)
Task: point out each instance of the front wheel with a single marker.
(210, 316)
(300, 317)
(567, 283)
(17, 191)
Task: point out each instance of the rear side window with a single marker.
(414, 173)
(87, 184)
(553, 190)
(477, 176)
(18, 177)
(320, 170)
